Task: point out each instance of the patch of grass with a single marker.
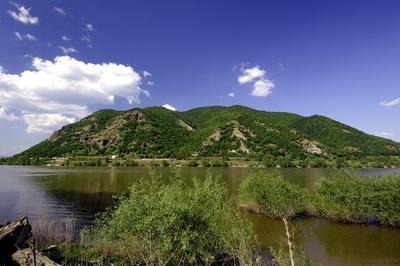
(50, 232)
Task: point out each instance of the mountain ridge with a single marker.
(275, 138)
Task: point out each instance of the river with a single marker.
(57, 193)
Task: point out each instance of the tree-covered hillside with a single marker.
(273, 138)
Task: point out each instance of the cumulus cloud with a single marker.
(23, 15)
(65, 38)
(262, 86)
(390, 103)
(169, 107)
(53, 93)
(6, 115)
(67, 50)
(60, 10)
(26, 36)
(46, 123)
(89, 27)
(251, 74)
(231, 94)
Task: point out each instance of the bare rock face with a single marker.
(186, 126)
(136, 116)
(311, 147)
(214, 137)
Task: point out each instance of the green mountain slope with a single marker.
(273, 138)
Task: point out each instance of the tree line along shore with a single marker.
(187, 161)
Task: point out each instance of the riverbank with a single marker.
(254, 162)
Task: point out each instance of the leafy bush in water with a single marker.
(272, 195)
(171, 224)
(351, 198)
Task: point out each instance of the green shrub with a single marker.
(219, 163)
(164, 163)
(351, 198)
(153, 163)
(116, 163)
(171, 224)
(272, 195)
(132, 163)
(205, 163)
(192, 163)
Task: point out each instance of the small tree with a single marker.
(275, 197)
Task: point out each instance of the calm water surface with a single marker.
(56, 193)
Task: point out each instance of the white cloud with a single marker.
(60, 10)
(57, 92)
(281, 67)
(385, 135)
(30, 37)
(86, 38)
(169, 107)
(146, 74)
(45, 123)
(390, 103)
(388, 135)
(89, 27)
(231, 94)
(23, 14)
(67, 50)
(6, 115)
(65, 38)
(251, 74)
(18, 35)
(262, 86)
(26, 36)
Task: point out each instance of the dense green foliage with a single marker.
(272, 195)
(271, 138)
(351, 198)
(173, 224)
(345, 197)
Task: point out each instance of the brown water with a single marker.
(56, 193)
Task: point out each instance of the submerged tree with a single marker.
(275, 197)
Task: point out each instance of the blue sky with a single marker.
(61, 60)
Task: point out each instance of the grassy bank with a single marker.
(343, 198)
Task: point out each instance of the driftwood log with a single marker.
(14, 236)
(16, 245)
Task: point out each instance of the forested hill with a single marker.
(274, 138)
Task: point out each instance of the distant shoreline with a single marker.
(206, 162)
